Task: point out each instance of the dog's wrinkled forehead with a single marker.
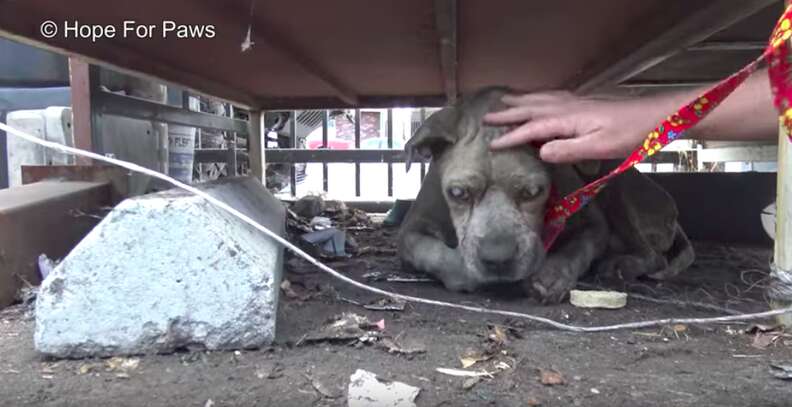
(473, 111)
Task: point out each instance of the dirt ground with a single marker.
(679, 366)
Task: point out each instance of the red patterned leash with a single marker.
(777, 54)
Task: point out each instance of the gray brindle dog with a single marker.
(478, 217)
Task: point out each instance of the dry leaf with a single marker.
(551, 377)
(498, 335)
(473, 356)
(122, 364)
(86, 368)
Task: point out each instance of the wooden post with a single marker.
(256, 145)
(781, 288)
(84, 80)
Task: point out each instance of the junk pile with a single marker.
(320, 226)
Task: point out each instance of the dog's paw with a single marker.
(553, 283)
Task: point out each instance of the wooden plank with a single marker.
(369, 101)
(665, 84)
(132, 62)
(84, 79)
(446, 26)
(697, 27)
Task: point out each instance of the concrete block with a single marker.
(165, 271)
(42, 218)
(51, 124)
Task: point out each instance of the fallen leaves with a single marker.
(551, 377)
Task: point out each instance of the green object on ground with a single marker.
(395, 215)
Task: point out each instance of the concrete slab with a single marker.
(40, 218)
(166, 271)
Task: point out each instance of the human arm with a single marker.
(578, 128)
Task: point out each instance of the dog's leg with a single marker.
(583, 241)
(680, 256)
(432, 256)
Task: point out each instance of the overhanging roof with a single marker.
(391, 52)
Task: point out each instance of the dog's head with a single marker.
(496, 199)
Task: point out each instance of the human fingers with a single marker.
(537, 130)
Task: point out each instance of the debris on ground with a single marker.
(472, 356)
(766, 335)
(321, 388)
(470, 382)
(348, 327)
(464, 373)
(391, 346)
(598, 299)
(376, 276)
(294, 291)
(396, 214)
(275, 372)
(121, 366)
(492, 348)
(320, 223)
(551, 377)
(781, 371)
(326, 243)
(308, 206)
(367, 390)
(386, 304)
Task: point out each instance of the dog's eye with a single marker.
(459, 193)
(530, 192)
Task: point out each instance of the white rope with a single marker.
(323, 267)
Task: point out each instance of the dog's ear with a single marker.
(435, 134)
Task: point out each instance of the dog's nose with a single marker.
(497, 250)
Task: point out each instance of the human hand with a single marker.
(576, 128)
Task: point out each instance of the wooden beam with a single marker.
(374, 101)
(446, 26)
(665, 84)
(696, 27)
(129, 61)
(84, 80)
